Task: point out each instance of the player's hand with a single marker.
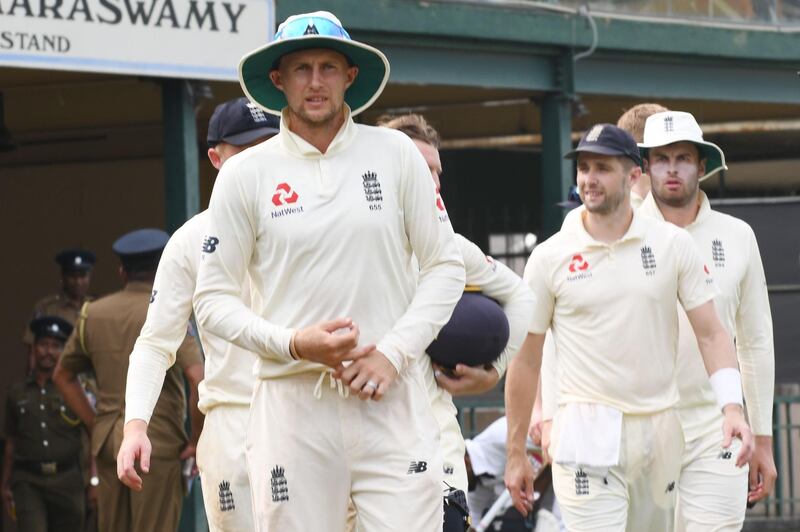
(8, 502)
(762, 470)
(547, 426)
(369, 376)
(135, 445)
(330, 342)
(190, 451)
(735, 426)
(519, 481)
(468, 380)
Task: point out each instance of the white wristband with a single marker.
(727, 386)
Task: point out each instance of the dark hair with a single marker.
(141, 267)
(413, 125)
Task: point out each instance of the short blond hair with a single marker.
(633, 119)
(413, 125)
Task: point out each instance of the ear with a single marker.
(701, 167)
(635, 175)
(645, 165)
(215, 158)
(351, 73)
(275, 77)
(123, 275)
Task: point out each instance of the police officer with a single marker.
(42, 482)
(76, 276)
(102, 340)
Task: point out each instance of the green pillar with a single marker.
(556, 125)
(181, 187)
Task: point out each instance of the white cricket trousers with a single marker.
(223, 471)
(712, 491)
(307, 455)
(638, 494)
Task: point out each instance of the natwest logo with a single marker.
(284, 195)
(578, 264)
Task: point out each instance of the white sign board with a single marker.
(199, 39)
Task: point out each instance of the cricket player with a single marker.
(633, 121)
(495, 280)
(225, 391)
(712, 492)
(608, 286)
(325, 217)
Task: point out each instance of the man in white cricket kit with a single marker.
(325, 218)
(229, 379)
(712, 492)
(608, 286)
(494, 280)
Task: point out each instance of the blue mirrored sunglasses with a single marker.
(311, 26)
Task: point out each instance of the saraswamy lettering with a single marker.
(176, 14)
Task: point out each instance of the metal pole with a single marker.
(181, 158)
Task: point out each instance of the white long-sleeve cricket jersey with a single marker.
(229, 370)
(729, 248)
(327, 236)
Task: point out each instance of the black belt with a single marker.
(44, 468)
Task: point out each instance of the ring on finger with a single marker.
(371, 384)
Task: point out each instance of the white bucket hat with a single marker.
(677, 126)
(320, 29)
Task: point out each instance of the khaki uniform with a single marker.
(102, 341)
(54, 305)
(46, 480)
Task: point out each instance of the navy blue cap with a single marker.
(476, 334)
(75, 260)
(607, 139)
(51, 326)
(140, 242)
(240, 122)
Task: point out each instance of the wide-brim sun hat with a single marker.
(669, 127)
(320, 29)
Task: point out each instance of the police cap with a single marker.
(75, 260)
(140, 249)
(50, 326)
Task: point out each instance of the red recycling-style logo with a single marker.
(439, 202)
(705, 269)
(578, 264)
(283, 195)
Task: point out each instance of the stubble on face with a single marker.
(314, 83)
(614, 187)
(675, 172)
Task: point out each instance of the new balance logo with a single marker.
(280, 487)
(718, 253)
(225, 497)
(153, 295)
(725, 454)
(648, 260)
(670, 487)
(256, 113)
(210, 244)
(417, 467)
(669, 125)
(581, 483)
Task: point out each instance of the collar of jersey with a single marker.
(636, 231)
(296, 145)
(650, 208)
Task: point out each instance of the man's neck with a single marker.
(680, 216)
(42, 377)
(73, 298)
(318, 135)
(610, 227)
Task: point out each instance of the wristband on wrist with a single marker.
(727, 386)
